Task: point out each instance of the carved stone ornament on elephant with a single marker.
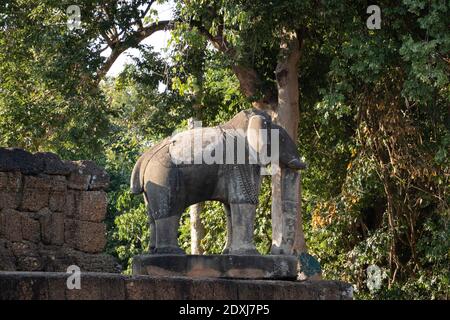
(220, 163)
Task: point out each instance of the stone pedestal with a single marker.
(269, 267)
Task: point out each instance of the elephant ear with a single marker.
(257, 133)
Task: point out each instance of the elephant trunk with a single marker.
(289, 156)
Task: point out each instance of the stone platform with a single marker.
(269, 267)
(108, 286)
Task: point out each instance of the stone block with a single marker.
(12, 159)
(34, 200)
(36, 193)
(57, 286)
(10, 181)
(7, 259)
(53, 165)
(92, 206)
(98, 287)
(41, 182)
(23, 286)
(52, 227)
(141, 288)
(57, 201)
(58, 258)
(27, 257)
(71, 203)
(8, 200)
(86, 175)
(213, 289)
(158, 288)
(98, 262)
(11, 225)
(86, 205)
(31, 229)
(77, 179)
(58, 183)
(255, 290)
(29, 263)
(84, 235)
(55, 258)
(217, 266)
(10, 185)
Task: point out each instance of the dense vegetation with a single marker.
(374, 117)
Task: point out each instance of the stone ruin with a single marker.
(52, 213)
(52, 216)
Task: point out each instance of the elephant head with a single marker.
(267, 142)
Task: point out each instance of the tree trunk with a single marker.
(250, 85)
(197, 228)
(286, 204)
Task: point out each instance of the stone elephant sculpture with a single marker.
(220, 163)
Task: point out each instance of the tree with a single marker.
(46, 101)
(392, 115)
(374, 110)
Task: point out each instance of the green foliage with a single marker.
(47, 98)
(214, 220)
(374, 127)
(382, 122)
(131, 233)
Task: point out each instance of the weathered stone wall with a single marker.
(51, 213)
(103, 286)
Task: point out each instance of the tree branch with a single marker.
(117, 48)
(249, 81)
(218, 41)
(146, 10)
(152, 28)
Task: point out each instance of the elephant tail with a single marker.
(136, 183)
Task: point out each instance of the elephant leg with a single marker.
(227, 209)
(167, 235)
(152, 244)
(242, 222)
(152, 228)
